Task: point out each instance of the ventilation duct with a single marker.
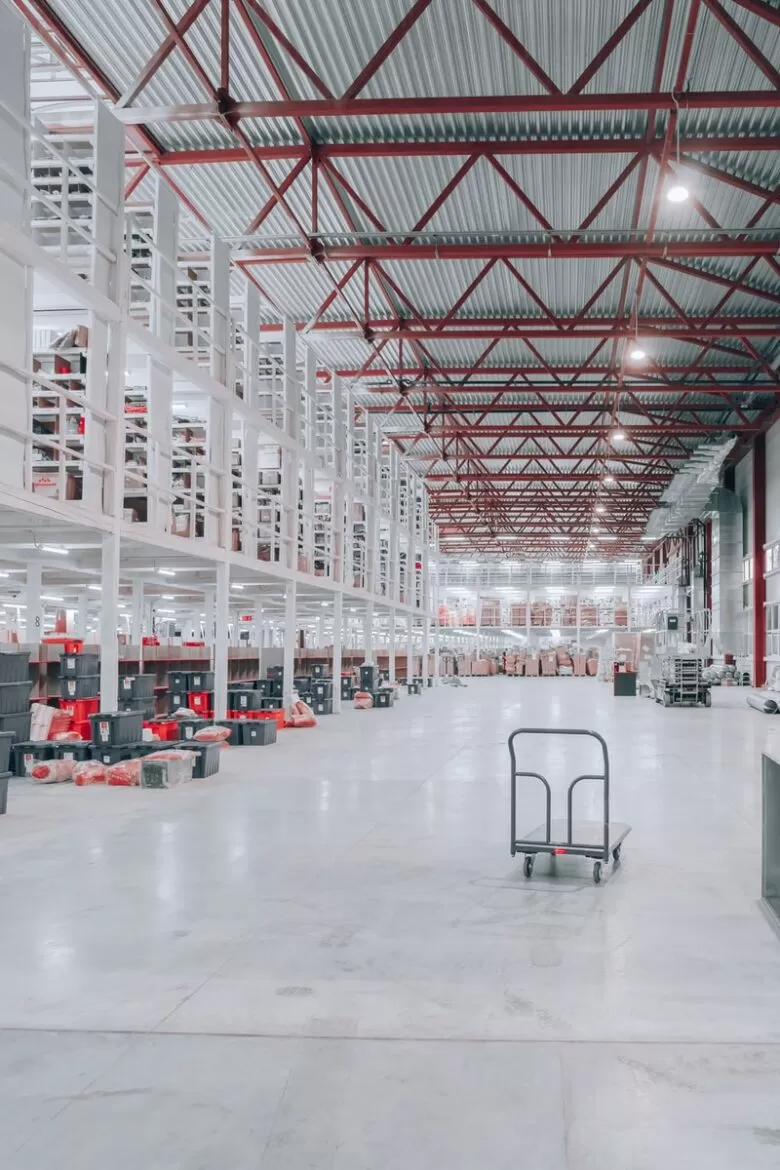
(687, 496)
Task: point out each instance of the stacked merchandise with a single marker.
(532, 666)
(136, 693)
(271, 688)
(347, 687)
(15, 687)
(589, 614)
(80, 690)
(517, 615)
(549, 663)
(490, 614)
(578, 665)
(592, 663)
(541, 614)
(322, 696)
(200, 692)
(6, 740)
(621, 613)
(564, 661)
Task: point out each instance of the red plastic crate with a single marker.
(165, 729)
(200, 702)
(82, 729)
(80, 709)
(61, 722)
(249, 714)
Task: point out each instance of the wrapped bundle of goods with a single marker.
(589, 615)
(167, 768)
(592, 665)
(520, 664)
(578, 665)
(532, 665)
(126, 774)
(517, 616)
(549, 663)
(89, 772)
(303, 716)
(52, 771)
(621, 614)
(41, 721)
(207, 735)
(364, 700)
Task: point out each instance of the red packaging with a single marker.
(200, 702)
(126, 774)
(89, 772)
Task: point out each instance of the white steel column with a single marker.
(82, 602)
(290, 634)
(15, 287)
(221, 616)
(409, 648)
(391, 649)
(210, 618)
(159, 384)
(368, 634)
(477, 620)
(338, 619)
(109, 643)
(436, 651)
(290, 467)
(137, 612)
(425, 648)
(34, 612)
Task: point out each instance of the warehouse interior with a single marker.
(390, 584)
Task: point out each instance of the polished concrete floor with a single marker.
(325, 957)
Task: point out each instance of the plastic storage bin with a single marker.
(136, 686)
(258, 732)
(201, 702)
(116, 753)
(206, 758)
(383, 698)
(24, 756)
(322, 706)
(86, 686)
(4, 778)
(6, 743)
(176, 699)
(117, 727)
(166, 773)
(188, 727)
(274, 704)
(246, 701)
(14, 667)
(235, 726)
(177, 680)
(18, 725)
(322, 688)
(14, 697)
(77, 665)
(76, 750)
(200, 680)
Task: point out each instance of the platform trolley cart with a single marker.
(596, 839)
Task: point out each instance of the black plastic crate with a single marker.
(136, 686)
(76, 750)
(111, 729)
(263, 686)
(18, 725)
(369, 677)
(4, 778)
(322, 706)
(348, 693)
(14, 697)
(275, 688)
(275, 673)
(177, 699)
(383, 698)
(235, 726)
(318, 669)
(85, 686)
(246, 701)
(413, 688)
(188, 727)
(24, 756)
(118, 753)
(322, 688)
(6, 743)
(200, 680)
(77, 665)
(14, 667)
(207, 763)
(305, 697)
(258, 732)
(144, 706)
(177, 680)
(274, 704)
(302, 682)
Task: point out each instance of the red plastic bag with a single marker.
(126, 774)
(170, 754)
(52, 771)
(364, 700)
(212, 734)
(89, 772)
(68, 736)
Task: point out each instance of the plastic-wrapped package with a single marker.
(126, 774)
(170, 754)
(364, 700)
(41, 721)
(212, 734)
(52, 771)
(302, 715)
(89, 772)
(68, 737)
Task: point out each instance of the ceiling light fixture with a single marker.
(50, 597)
(600, 508)
(618, 436)
(97, 588)
(636, 353)
(609, 480)
(58, 549)
(677, 194)
(167, 572)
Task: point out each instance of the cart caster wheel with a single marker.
(528, 865)
(667, 700)
(707, 699)
(597, 873)
(616, 855)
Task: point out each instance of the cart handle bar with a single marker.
(570, 792)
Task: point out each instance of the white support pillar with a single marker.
(425, 649)
(391, 648)
(338, 626)
(290, 635)
(221, 619)
(409, 648)
(251, 334)
(159, 378)
(15, 287)
(477, 621)
(368, 634)
(82, 601)
(34, 611)
(436, 651)
(137, 613)
(109, 642)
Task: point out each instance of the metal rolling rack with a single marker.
(596, 839)
(677, 680)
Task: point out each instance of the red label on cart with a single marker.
(558, 852)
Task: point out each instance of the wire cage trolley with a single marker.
(596, 839)
(679, 681)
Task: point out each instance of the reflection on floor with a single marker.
(326, 957)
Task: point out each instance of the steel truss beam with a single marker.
(549, 249)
